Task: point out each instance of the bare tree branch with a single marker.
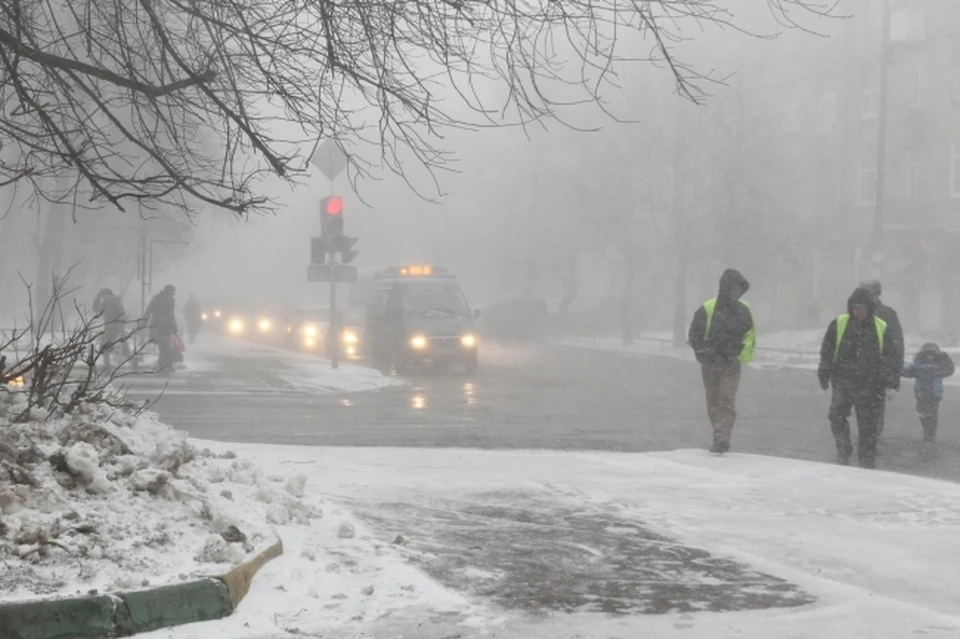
(188, 103)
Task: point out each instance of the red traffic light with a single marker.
(335, 205)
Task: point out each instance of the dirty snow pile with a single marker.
(105, 500)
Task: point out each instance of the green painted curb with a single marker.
(118, 615)
(128, 613)
(78, 618)
(146, 610)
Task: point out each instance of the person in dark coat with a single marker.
(161, 317)
(723, 337)
(113, 315)
(930, 366)
(859, 361)
(894, 332)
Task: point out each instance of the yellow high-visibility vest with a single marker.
(843, 320)
(749, 340)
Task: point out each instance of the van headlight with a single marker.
(468, 341)
(419, 342)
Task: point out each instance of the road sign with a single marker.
(329, 158)
(346, 274)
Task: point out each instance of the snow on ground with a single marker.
(779, 349)
(303, 371)
(875, 551)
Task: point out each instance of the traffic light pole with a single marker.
(333, 335)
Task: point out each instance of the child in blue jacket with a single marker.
(930, 365)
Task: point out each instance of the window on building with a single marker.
(913, 178)
(828, 109)
(866, 185)
(955, 170)
(870, 102)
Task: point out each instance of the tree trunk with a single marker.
(49, 262)
(629, 277)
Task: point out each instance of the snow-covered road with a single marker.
(219, 365)
(550, 544)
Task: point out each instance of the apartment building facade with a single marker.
(830, 101)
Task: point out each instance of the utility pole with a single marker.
(681, 242)
(878, 211)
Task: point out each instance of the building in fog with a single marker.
(829, 103)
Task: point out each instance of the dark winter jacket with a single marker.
(930, 365)
(191, 311)
(731, 322)
(894, 333)
(114, 316)
(161, 316)
(859, 364)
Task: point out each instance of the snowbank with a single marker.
(105, 500)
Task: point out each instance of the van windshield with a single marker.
(434, 299)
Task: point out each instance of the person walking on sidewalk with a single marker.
(930, 365)
(894, 334)
(859, 362)
(723, 337)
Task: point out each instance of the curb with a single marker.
(129, 613)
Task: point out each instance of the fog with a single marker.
(745, 177)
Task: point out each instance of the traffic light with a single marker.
(332, 240)
(331, 216)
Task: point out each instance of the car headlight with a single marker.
(469, 340)
(203, 316)
(349, 337)
(216, 313)
(418, 342)
(264, 325)
(236, 326)
(309, 331)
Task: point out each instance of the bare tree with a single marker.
(189, 102)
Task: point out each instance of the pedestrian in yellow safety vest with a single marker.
(723, 336)
(860, 361)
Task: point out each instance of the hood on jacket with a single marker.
(861, 296)
(929, 347)
(730, 278)
(874, 286)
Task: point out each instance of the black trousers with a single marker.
(929, 410)
(165, 359)
(868, 404)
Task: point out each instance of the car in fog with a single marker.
(220, 312)
(418, 315)
(308, 329)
